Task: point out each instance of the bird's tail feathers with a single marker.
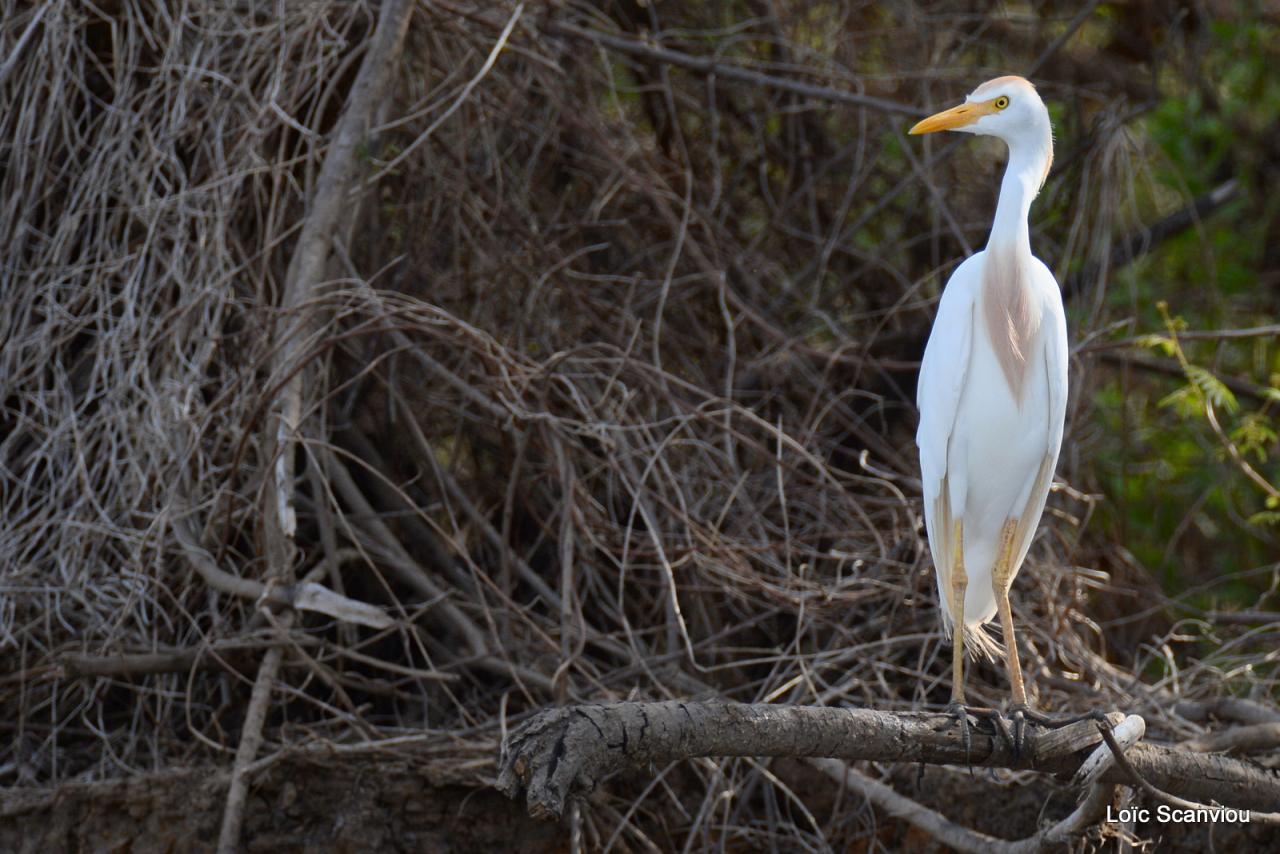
(978, 640)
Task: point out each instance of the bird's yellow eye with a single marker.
(1002, 102)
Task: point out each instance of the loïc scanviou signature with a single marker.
(1175, 815)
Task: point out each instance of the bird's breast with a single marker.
(1009, 314)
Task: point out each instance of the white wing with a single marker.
(942, 377)
(1056, 355)
(1053, 338)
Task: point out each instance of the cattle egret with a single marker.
(992, 393)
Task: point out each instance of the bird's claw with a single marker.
(1014, 738)
(1011, 729)
(967, 716)
(1002, 730)
(960, 712)
(1019, 714)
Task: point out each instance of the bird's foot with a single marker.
(1011, 731)
(1020, 714)
(960, 712)
(967, 717)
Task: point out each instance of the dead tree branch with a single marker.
(1172, 368)
(1158, 794)
(250, 741)
(706, 65)
(79, 665)
(962, 838)
(1146, 238)
(1236, 709)
(729, 71)
(570, 750)
(302, 596)
(302, 281)
(1253, 738)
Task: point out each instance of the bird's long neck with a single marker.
(1023, 177)
(1009, 308)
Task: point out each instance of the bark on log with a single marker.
(568, 751)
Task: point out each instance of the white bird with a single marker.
(993, 391)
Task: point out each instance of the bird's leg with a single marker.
(1001, 580)
(959, 584)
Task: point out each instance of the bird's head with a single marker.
(1006, 107)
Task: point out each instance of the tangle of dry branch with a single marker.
(603, 392)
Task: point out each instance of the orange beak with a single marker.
(956, 117)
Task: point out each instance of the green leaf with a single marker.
(1212, 388)
(1162, 343)
(1187, 400)
(1254, 435)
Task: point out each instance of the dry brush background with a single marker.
(606, 389)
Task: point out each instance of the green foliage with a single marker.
(1255, 434)
(1203, 389)
(1190, 466)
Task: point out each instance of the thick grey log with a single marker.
(565, 751)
